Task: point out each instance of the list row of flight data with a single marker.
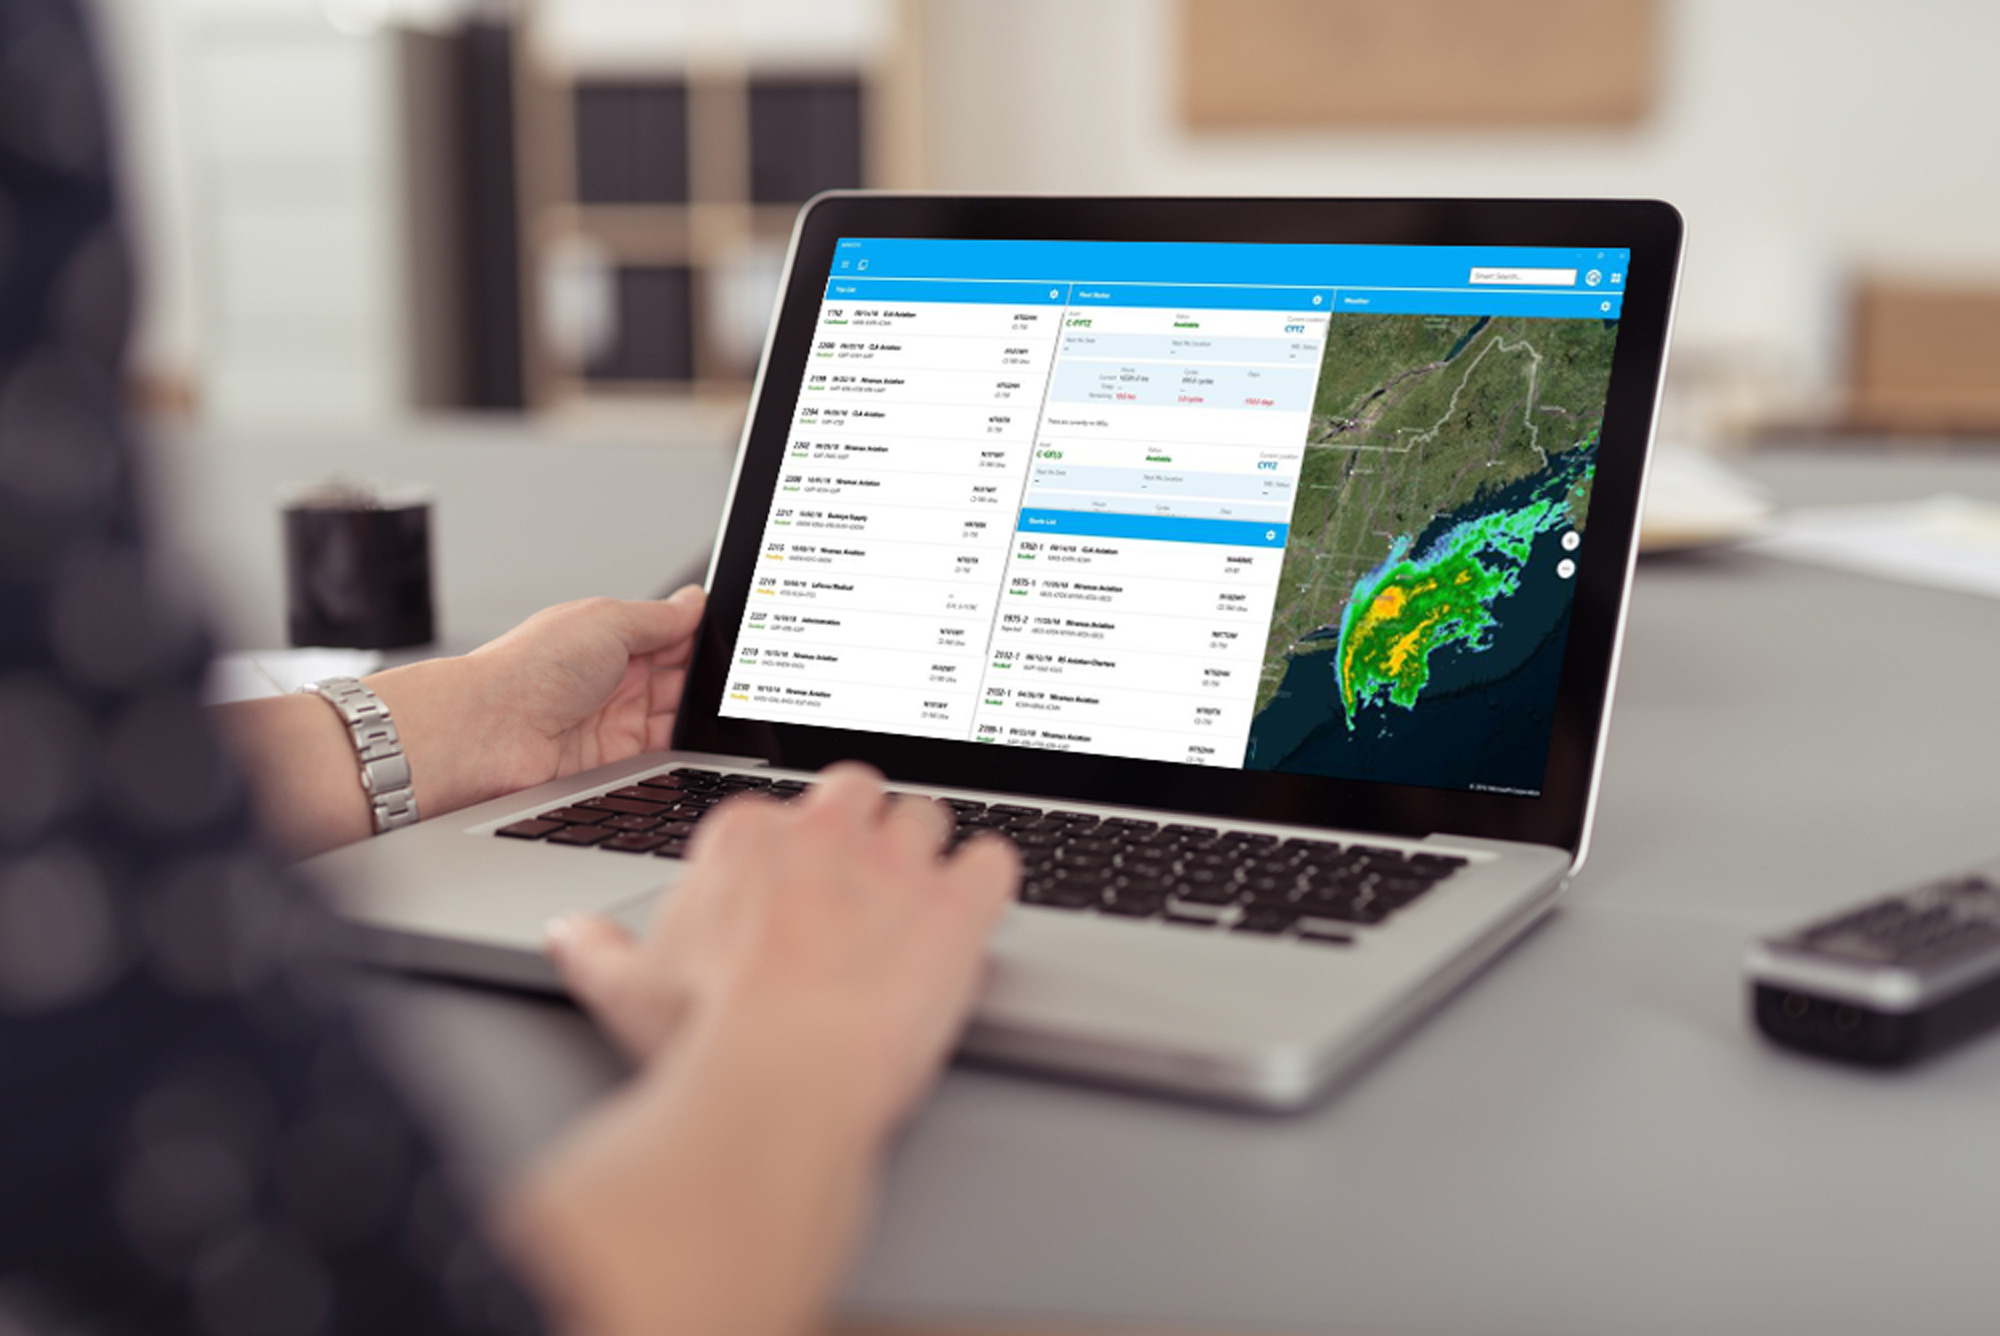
(1273, 485)
(1015, 667)
(963, 581)
(916, 456)
(851, 326)
(891, 690)
(923, 540)
(992, 353)
(888, 419)
(1054, 630)
(828, 389)
(1194, 747)
(1200, 330)
(1184, 385)
(1293, 350)
(1076, 381)
(828, 418)
(830, 485)
(933, 715)
(855, 329)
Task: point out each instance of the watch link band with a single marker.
(385, 771)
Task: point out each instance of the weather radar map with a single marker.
(1424, 599)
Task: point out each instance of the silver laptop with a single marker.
(1257, 566)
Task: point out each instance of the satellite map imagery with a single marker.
(1425, 597)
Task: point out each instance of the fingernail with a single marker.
(557, 931)
(684, 594)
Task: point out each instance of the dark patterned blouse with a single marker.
(191, 1137)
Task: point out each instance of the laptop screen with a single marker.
(1306, 508)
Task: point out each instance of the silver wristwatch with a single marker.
(385, 771)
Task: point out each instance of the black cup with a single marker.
(358, 569)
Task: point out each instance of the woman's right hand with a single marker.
(800, 989)
(832, 923)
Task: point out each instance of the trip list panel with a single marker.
(888, 539)
(1043, 515)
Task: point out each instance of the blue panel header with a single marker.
(1161, 528)
(936, 290)
(1479, 301)
(1201, 296)
(1292, 265)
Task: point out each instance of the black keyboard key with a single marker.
(633, 822)
(1361, 911)
(1249, 839)
(1220, 893)
(1267, 919)
(689, 772)
(1136, 906)
(623, 806)
(1013, 809)
(1078, 819)
(665, 782)
(634, 842)
(1181, 918)
(964, 805)
(1128, 825)
(671, 848)
(532, 829)
(1267, 889)
(640, 793)
(581, 835)
(1325, 936)
(575, 816)
(1149, 868)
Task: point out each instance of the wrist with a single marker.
(445, 722)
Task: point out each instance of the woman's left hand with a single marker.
(583, 684)
(575, 686)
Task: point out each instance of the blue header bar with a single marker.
(1159, 528)
(1540, 268)
(934, 290)
(1180, 296)
(1483, 301)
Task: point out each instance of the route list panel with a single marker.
(1038, 493)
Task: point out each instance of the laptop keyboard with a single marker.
(1183, 873)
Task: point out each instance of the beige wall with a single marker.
(1800, 137)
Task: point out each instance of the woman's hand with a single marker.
(800, 989)
(580, 685)
(831, 925)
(573, 687)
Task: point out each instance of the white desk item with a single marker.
(1945, 541)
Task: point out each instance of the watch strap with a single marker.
(385, 771)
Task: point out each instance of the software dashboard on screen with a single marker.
(1311, 508)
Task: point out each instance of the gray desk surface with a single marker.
(1589, 1138)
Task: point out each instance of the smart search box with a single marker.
(1524, 278)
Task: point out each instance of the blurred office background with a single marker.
(360, 219)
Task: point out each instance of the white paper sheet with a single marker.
(279, 672)
(1693, 501)
(1947, 541)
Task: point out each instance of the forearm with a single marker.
(306, 781)
(723, 1195)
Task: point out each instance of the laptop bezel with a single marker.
(1650, 230)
